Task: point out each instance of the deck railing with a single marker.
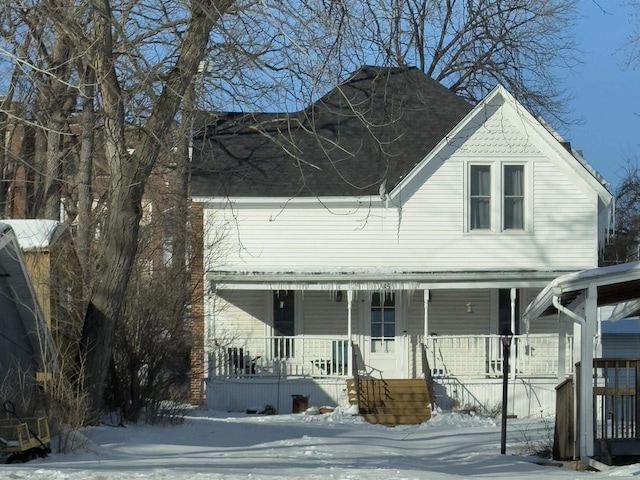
(315, 356)
(478, 356)
(616, 409)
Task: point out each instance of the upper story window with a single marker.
(480, 197)
(513, 197)
(496, 199)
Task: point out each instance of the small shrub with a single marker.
(67, 408)
(538, 445)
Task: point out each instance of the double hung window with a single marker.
(485, 183)
(513, 197)
(480, 197)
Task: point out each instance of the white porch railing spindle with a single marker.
(302, 355)
(462, 356)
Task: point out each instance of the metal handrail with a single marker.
(356, 375)
(428, 378)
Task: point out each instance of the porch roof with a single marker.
(377, 279)
(585, 291)
(616, 285)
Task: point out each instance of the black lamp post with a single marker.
(505, 338)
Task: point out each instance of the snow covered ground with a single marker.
(216, 445)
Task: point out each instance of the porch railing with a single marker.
(477, 356)
(314, 356)
(461, 356)
(616, 411)
(615, 388)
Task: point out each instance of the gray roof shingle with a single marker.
(375, 127)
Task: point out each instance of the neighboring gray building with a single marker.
(26, 345)
(621, 339)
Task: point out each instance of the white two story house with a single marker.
(391, 230)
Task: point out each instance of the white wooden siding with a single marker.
(528, 398)
(565, 218)
(243, 313)
(426, 234)
(446, 305)
(415, 312)
(324, 316)
(448, 312)
(240, 395)
(564, 237)
(238, 313)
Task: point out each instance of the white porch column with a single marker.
(584, 442)
(513, 295)
(562, 348)
(589, 331)
(427, 297)
(598, 344)
(577, 348)
(349, 328)
(209, 334)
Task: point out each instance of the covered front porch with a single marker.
(264, 334)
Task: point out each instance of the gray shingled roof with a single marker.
(373, 128)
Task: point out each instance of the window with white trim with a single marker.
(513, 197)
(506, 183)
(383, 322)
(479, 197)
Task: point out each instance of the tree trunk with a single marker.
(86, 227)
(128, 176)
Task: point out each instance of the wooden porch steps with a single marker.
(392, 402)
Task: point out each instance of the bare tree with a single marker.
(633, 44)
(625, 242)
(150, 358)
(471, 45)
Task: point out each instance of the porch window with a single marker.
(513, 197)
(284, 323)
(479, 197)
(383, 322)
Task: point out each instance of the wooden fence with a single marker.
(616, 411)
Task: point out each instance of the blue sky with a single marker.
(606, 93)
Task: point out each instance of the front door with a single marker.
(385, 339)
(284, 323)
